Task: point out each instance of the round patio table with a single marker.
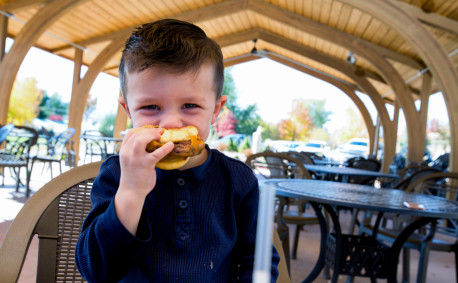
(327, 194)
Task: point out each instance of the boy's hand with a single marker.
(138, 174)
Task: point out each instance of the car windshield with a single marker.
(313, 145)
(358, 143)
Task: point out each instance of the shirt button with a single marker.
(183, 203)
(180, 181)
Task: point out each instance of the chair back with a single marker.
(21, 140)
(410, 174)
(5, 131)
(441, 184)
(277, 165)
(305, 159)
(57, 145)
(363, 163)
(56, 214)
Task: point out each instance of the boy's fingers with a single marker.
(162, 151)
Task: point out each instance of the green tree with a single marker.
(355, 127)
(24, 102)
(107, 125)
(51, 105)
(247, 118)
(270, 131)
(318, 112)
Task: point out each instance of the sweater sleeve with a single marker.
(106, 250)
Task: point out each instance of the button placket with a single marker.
(182, 211)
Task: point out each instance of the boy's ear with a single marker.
(122, 101)
(218, 107)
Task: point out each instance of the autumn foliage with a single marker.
(298, 125)
(24, 102)
(225, 125)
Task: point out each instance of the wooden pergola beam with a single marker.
(345, 88)
(17, 6)
(431, 51)
(28, 35)
(234, 6)
(430, 19)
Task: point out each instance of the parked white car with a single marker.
(356, 147)
(283, 145)
(313, 146)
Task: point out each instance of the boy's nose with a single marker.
(171, 121)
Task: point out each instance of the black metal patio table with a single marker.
(358, 255)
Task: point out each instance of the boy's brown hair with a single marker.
(175, 45)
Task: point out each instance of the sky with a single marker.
(266, 83)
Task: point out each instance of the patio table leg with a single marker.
(320, 264)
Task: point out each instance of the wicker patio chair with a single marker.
(280, 165)
(55, 213)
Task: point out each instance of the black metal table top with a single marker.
(363, 197)
(347, 171)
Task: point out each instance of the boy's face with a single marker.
(172, 100)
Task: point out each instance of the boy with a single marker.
(195, 224)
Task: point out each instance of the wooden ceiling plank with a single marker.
(202, 14)
(315, 28)
(325, 8)
(355, 17)
(17, 6)
(344, 17)
(431, 19)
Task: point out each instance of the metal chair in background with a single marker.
(92, 146)
(4, 132)
(439, 236)
(16, 154)
(366, 164)
(58, 148)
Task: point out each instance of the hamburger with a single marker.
(187, 144)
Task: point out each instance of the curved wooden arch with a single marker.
(432, 53)
(390, 137)
(386, 70)
(348, 90)
(82, 88)
(28, 35)
(390, 146)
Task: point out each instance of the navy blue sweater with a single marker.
(197, 225)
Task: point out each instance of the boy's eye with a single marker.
(151, 107)
(189, 105)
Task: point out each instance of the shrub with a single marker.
(232, 145)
